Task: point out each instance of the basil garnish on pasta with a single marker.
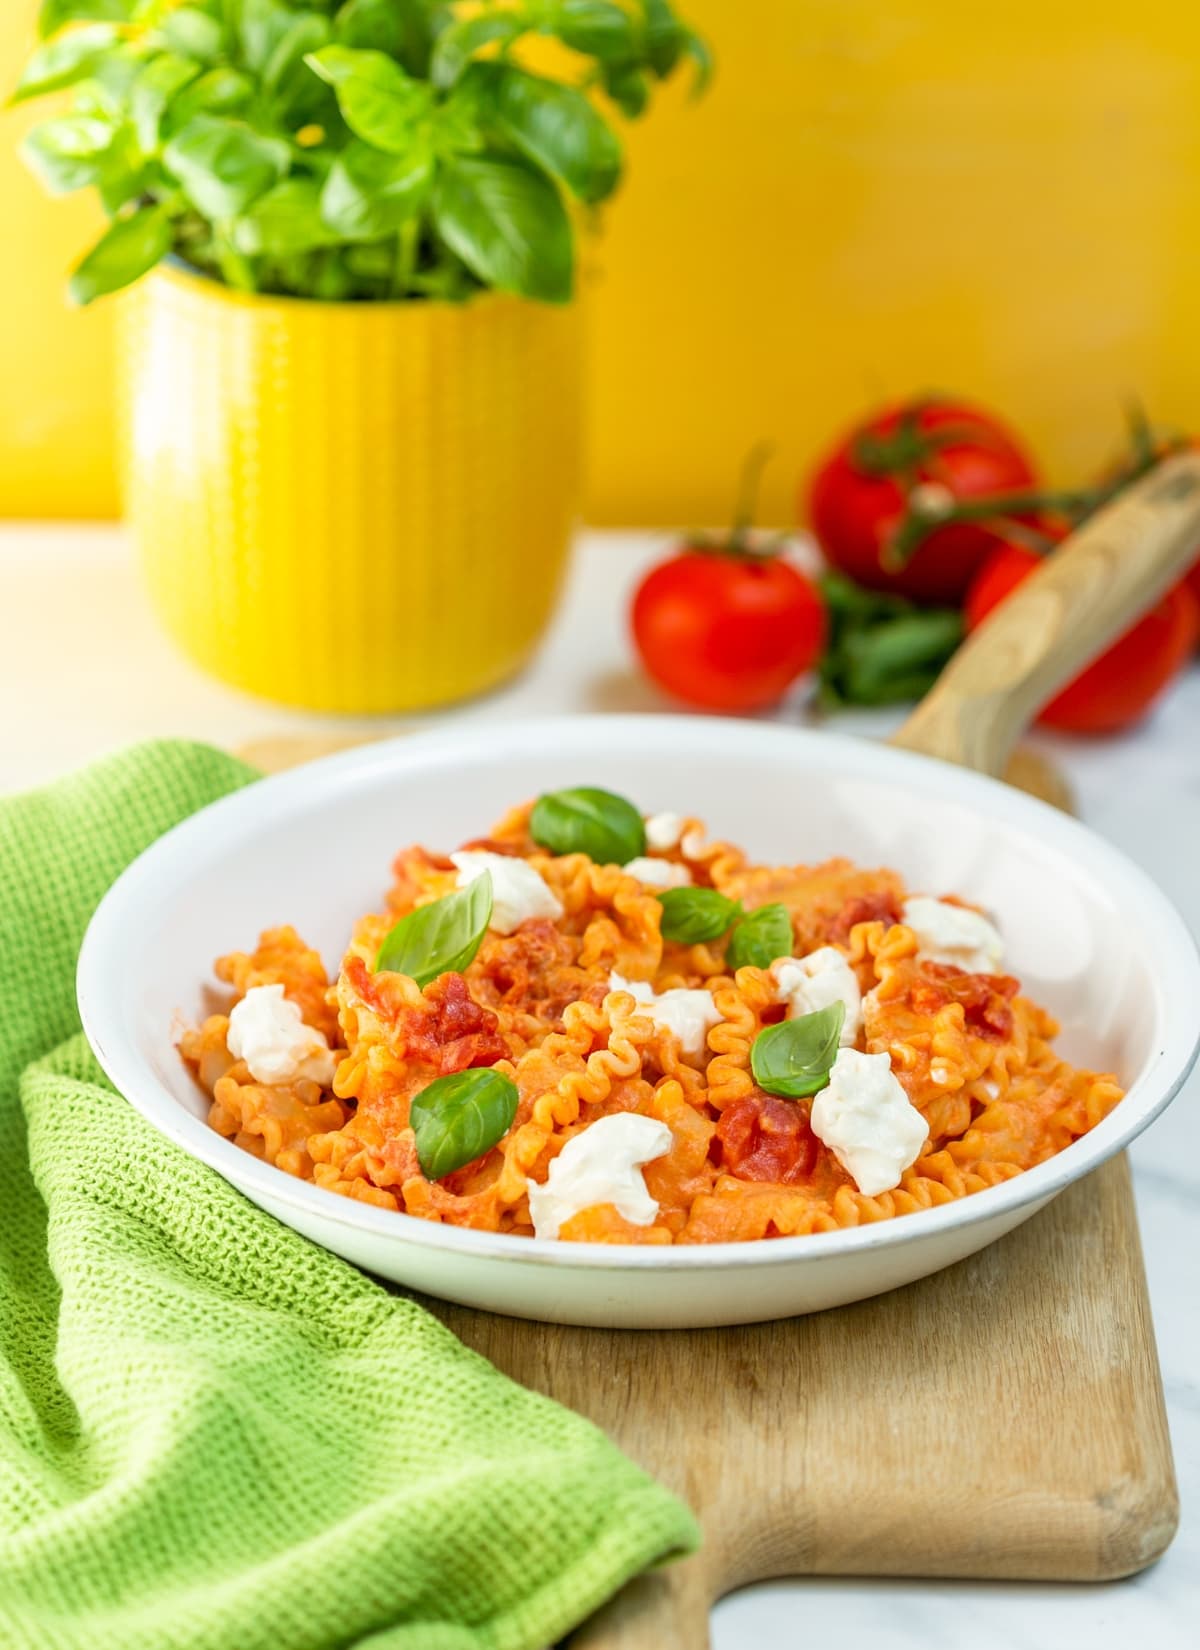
(458, 1118)
(439, 938)
(693, 915)
(584, 820)
(760, 937)
(794, 1058)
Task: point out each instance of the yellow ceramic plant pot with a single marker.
(351, 507)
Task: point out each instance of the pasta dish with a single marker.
(595, 1025)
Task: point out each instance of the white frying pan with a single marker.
(1088, 933)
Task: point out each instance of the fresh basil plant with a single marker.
(694, 915)
(344, 149)
(586, 820)
(794, 1058)
(760, 937)
(458, 1118)
(441, 937)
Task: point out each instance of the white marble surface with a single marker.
(84, 669)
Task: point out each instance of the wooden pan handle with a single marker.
(1090, 590)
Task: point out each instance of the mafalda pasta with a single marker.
(596, 1026)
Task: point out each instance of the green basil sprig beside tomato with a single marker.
(794, 1058)
(458, 1118)
(441, 937)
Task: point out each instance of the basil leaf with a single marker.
(881, 649)
(55, 13)
(762, 935)
(68, 153)
(220, 91)
(457, 127)
(628, 88)
(286, 219)
(457, 45)
(665, 36)
(109, 87)
(194, 33)
(380, 103)
(125, 173)
(903, 658)
(63, 61)
(130, 248)
(154, 89)
(794, 1057)
(224, 164)
(369, 194)
(698, 49)
(508, 225)
(598, 28)
(458, 1118)
(586, 820)
(308, 34)
(555, 126)
(262, 24)
(440, 938)
(693, 915)
(398, 27)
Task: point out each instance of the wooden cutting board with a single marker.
(1003, 1418)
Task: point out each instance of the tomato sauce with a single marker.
(985, 998)
(765, 1138)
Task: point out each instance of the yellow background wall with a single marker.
(877, 196)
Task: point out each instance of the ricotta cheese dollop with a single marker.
(867, 1121)
(954, 935)
(519, 892)
(601, 1165)
(659, 873)
(808, 984)
(663, 831)
(267, 1031)
(690, 1015)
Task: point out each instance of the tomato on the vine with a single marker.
(1151, 445)
(1119, 687)
(726, 623)
(726, 631)
(1192, 580)
(928, 453)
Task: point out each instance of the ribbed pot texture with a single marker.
(349, 507)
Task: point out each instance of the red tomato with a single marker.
(1121, 685)
(763, 1138)
(1170, 443)
(1192, 580)
(859, 494)
(724, 631)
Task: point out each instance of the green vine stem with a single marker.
(926, 511)
(740, 541)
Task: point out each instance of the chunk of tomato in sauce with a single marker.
(986, 998)
(460, 1032)
(765, 1138)
(880, 907)
(448, 1029)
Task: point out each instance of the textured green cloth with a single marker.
(214, 1435)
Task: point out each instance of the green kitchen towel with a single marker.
(214, 1435)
